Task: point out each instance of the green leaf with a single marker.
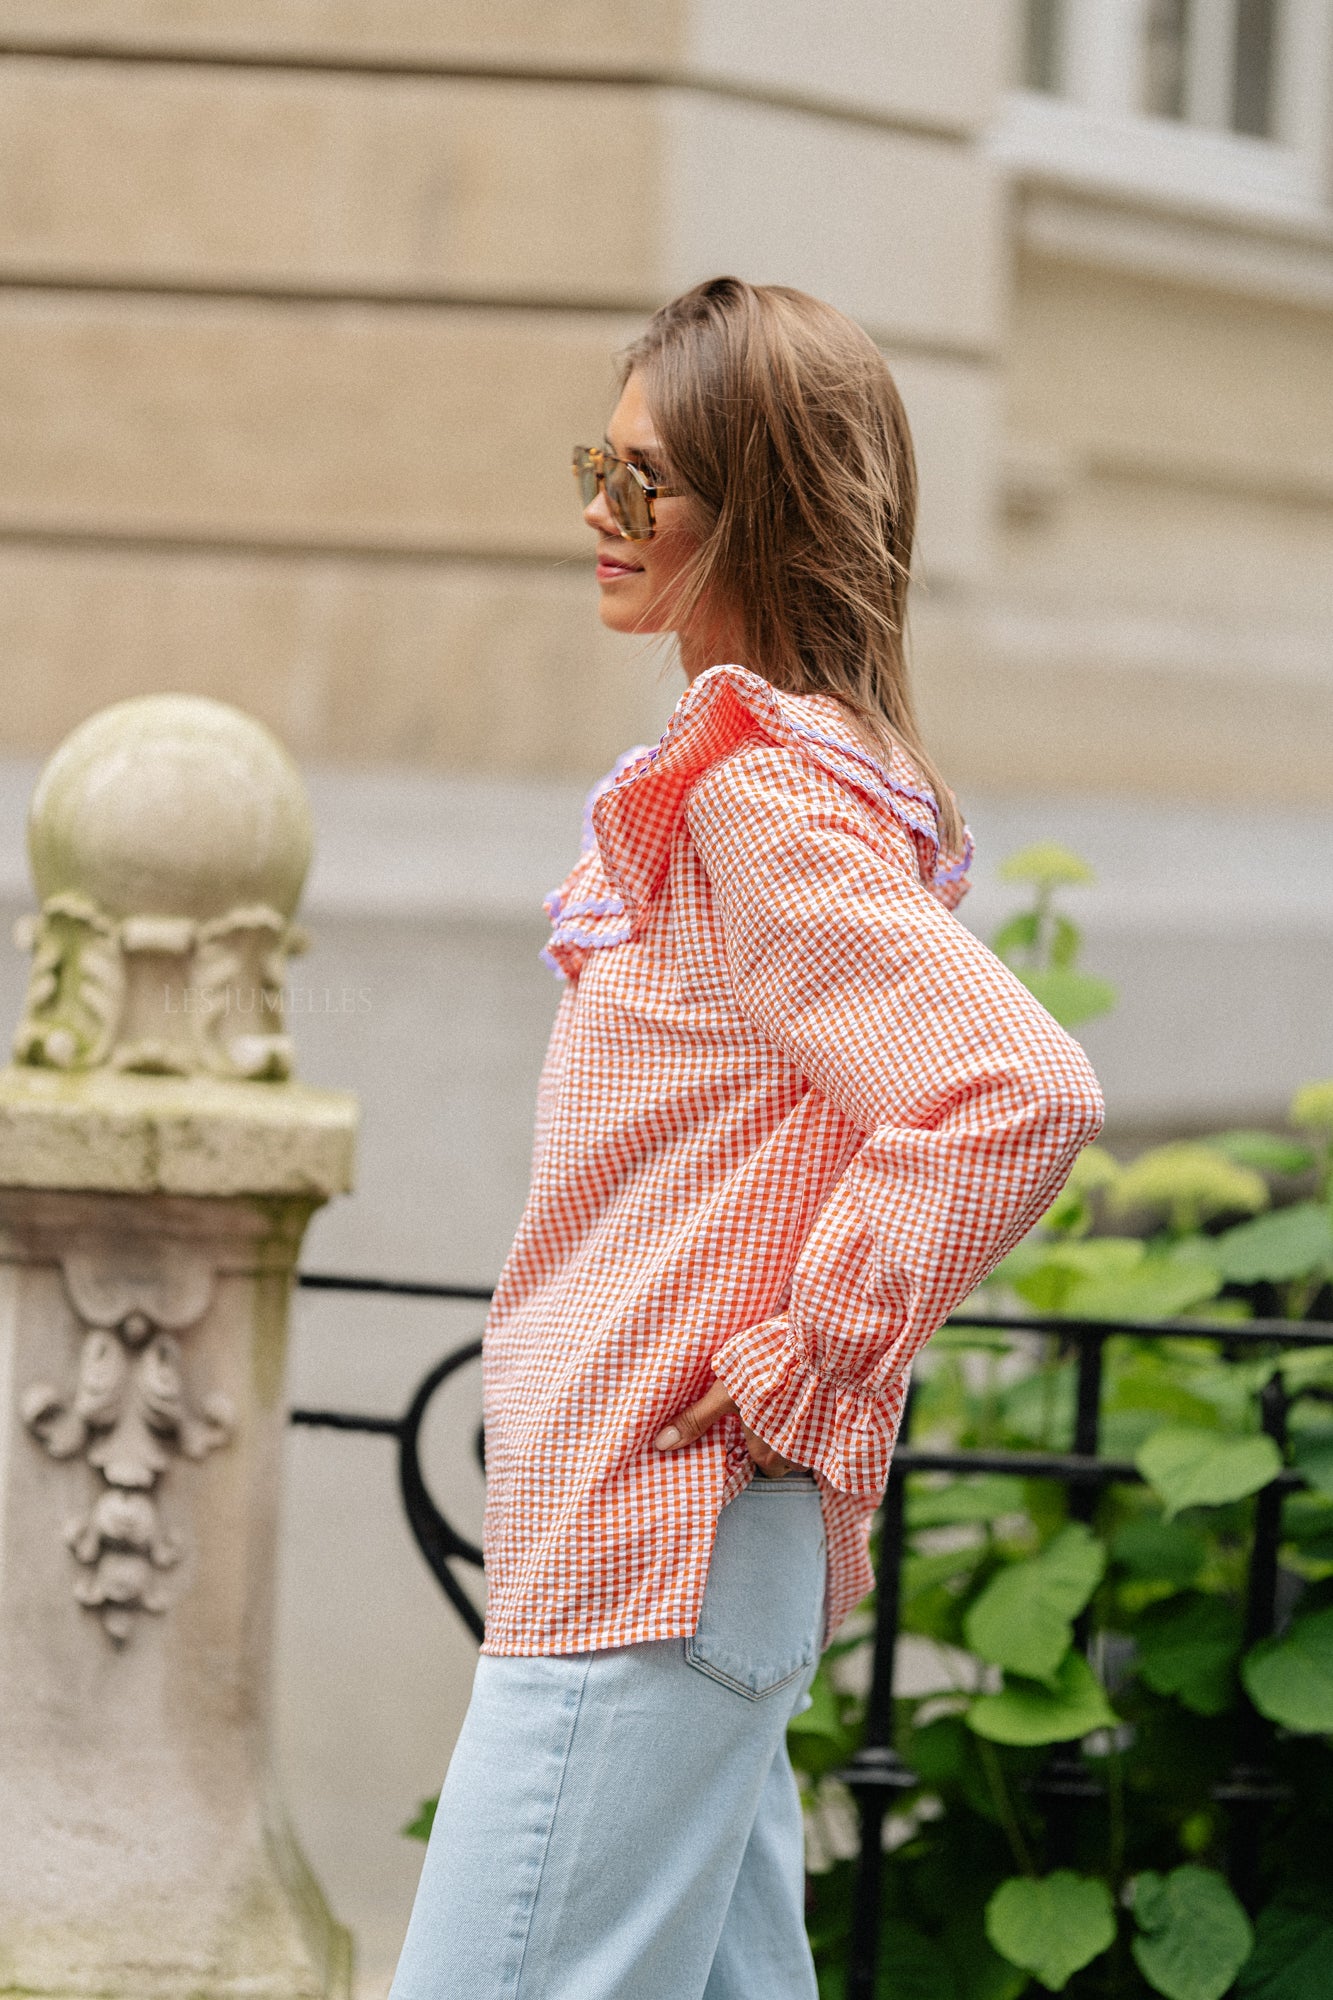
(972, 1339)
(1046, 865)
(937, 1750)
(1188, 1647)
(1195, 1935)
(980, 1971)
(1289, 1243)
(821, 1718)
(1313, 1457)
(419, 1828)
(1312, 1108)
(1306, 1367)
(1229, 1312)
(1044, 1273)
(1230, 1387)
(1157, 1548)
(1308, 1518)
(986, 1499)
(1101, 1257)
(1072, 997)
(1019, 934)
(1292, 1957)
(1290, 1679)
(1053, 1926)
(1066, 940)
(1044, 1286)
(1155, 1383)
(1161, 1287)
(1040, 1406)
(922, 1573)
(1187, 1467)
(1265, 1151)
(1188, 1182)
(1026, 1712)
(1023, 1619)
(1094, 1168)
(1071, 1213)
(914, 1966)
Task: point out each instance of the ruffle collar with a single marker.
(630, 817)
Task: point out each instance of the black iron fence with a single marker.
(437, 1538)
(877, 1773)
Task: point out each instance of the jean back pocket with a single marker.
(763, 1610)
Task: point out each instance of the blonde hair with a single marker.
(780, 418)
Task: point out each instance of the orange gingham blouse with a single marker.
(791, 1113)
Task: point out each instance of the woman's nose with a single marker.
(599, 517)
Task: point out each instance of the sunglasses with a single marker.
(629, 493)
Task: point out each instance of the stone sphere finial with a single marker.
(169, 837)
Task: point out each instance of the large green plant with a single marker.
(993, 1886)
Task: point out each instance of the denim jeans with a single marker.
(624, 1824)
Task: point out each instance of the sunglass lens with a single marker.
(586, 474)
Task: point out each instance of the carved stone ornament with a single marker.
(169, 838)
(164, 995)
(128, 1416)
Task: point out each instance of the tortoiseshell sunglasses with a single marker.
(629, 493)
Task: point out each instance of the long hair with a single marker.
(779, 417)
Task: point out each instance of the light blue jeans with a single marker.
(625, 1825)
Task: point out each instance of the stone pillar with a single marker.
(157, 1171)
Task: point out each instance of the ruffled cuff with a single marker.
(843, 1432)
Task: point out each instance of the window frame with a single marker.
(1092, 134)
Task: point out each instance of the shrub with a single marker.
(1033, 1635)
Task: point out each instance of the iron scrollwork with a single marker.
(441, 1544)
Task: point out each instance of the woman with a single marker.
(791, 1113)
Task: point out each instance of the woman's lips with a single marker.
(608, 569)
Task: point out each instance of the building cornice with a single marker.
(1286, 260)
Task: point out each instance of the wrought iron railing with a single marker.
(437, 1538)
(877, 1773)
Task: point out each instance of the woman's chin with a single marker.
(619, 616)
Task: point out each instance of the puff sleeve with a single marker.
(973, 1101)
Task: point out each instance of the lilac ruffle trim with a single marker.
(622, 763)
(563, 905)
(591, 906)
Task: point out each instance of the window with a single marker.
(1208, 62)
(1252, 68)
(1164, 59)
(1041, 64)
(1212, 100)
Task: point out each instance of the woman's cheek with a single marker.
(666, 575)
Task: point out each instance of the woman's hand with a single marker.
(714, 1404)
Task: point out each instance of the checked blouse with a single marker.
(791, 1113)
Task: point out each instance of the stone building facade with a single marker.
(303, 306)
